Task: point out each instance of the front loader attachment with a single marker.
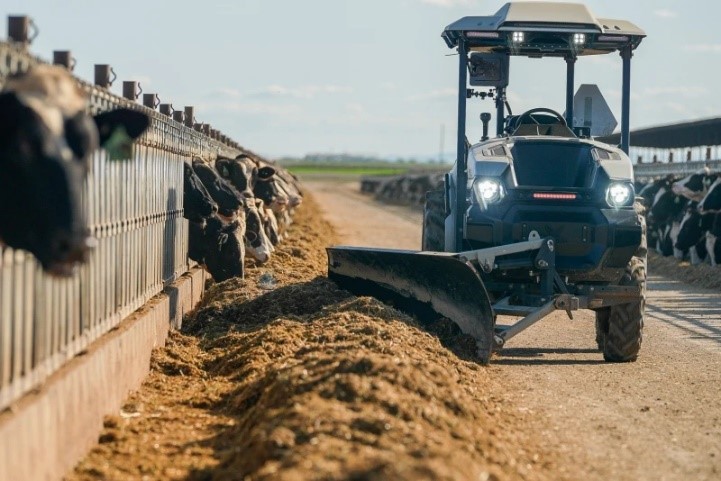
(423, 283)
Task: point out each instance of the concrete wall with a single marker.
(45, 433)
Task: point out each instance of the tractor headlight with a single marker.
(488, 191)
(619, 194)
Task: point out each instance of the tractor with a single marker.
(539, 218)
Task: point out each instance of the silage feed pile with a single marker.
(282, 376)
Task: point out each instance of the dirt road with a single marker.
(656, 419)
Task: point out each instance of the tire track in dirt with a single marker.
(656, 419)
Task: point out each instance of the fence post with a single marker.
(189, 115)
(19, 27)
(104, 75)
(64, 58)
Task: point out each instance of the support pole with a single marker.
(500, 112)
(462, 150)
(570, 70)
(626, 54)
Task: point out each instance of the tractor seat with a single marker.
(545, 125)
(556, 130)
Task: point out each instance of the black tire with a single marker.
(602, 316)
(434, 238)
(619, 329)
(625, 322)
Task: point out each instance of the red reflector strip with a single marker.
(553, 196)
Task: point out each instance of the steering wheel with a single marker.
(528, 114)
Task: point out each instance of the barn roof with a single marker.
(688, 134)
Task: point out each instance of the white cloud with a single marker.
(355, 108)
(705, 47)
(433, 95)
(684, 92)
(665, 13)
(301, 92)
(448, 3)
(254, 108)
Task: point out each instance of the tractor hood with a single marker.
(548, 162)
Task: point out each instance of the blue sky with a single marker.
(287, 77)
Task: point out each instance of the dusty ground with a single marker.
(283, 376)
(656, 419)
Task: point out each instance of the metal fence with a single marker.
(135, 210)
(659, 169)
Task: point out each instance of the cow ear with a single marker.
(266, 173)
(10, 111)
(118, 128)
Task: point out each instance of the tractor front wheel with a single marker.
(433, 237)
(619, 329)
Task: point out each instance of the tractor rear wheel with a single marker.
(433, 238)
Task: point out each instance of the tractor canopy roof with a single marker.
(543, 29)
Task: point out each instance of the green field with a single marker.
(349, 170)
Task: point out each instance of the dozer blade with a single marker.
(422, 283)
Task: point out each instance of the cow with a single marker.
(257, 242)
(230, 202)
(712, 200)
(694, 186)
(270, 222)
(664, 218)
(692, 233)
(198, 205)
(241, 174)
(46, 142)
(711, 205)
(218, 246)
(713, 241)
(267, 188)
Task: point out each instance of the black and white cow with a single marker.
(230, 202)
(46, 141)
(695, 186)
(219, 246)
(692, 233)
(198, 205)
(711, 205)
(713, 241)
(257, 242)
(242, 175)
(664, 218)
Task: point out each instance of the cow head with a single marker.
(228, 200)
(270, 222)
(242, 175)
(693, 228)
(256, 240)
(197, 202)
(267, 189)
(694, 186)
(46, 141)
(666, 206)
(224, 249)
(712, 201)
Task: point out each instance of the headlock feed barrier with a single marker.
(135, 210)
